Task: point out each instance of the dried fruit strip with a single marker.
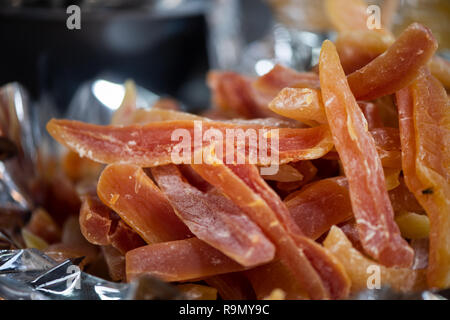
(320, 205)
(179, 260)
(214, 219)
(156, 143)
(137, 200)
(321, 277)
(379, 234)
(360, 268)
(424, 115)
(397, 67)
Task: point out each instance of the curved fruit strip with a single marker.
(359, 47)
(179, 260)
(379, 234)
(404, 200)
(302, 104)
(397, 67)
(372, 115)
(115, 262)
(235, 93)
(440, 68)
(128, 191)
(281, 77)
(95, 221)
(330, 270)
(360, 268)
(321, 278)
(153, 144)
(214, 219)
(320, 205)
(424, 114)
(387, 142)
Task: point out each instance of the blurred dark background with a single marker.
(163, 45)
(168, 46)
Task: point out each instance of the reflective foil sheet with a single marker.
(28, 274)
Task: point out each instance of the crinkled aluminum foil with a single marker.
(28, 273)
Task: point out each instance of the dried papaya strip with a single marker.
(329, 269)
(372, 115)
(379, 234)
(115, 261)
(304, 105)
(234, 92)
(242, 183)
(214, 219)
(123, 238)
(101, 226)
(350, 230)
(392, 178)
(42, 225)
(357, 48)
(397, 67)
(360, 268)
(231, 185)
(387, 142)
(281, 77)
(128, 191)
(424, 131)
(320, 205)
(153, 144)
(388, 111)
(77, 168)
(306, 169)
(285, 173)
(403, 200)
(179, 260)
(95, 221)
